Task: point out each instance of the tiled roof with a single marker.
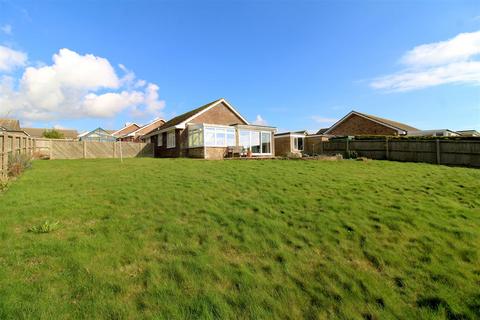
(38, 132)
(10, 124)
(395, 124)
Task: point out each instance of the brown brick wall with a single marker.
(196, 152)
(355, 125)
(220, 114)
(215, 153)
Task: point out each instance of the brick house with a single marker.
(356, 124)
(210, 132)
(136, 135)
(127, 129)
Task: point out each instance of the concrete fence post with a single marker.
(50, 149)
(84, 149)
(437, 142)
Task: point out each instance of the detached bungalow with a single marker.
(213, 131)
(357, 124)
(128, 128)
(136, 135)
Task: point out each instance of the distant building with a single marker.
(98, 135)
(136, 135)
(469, 133)
(358, 124)
(434, 133)
(11, 126)
(68, 134)
(128, 128)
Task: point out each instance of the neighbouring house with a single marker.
(469, 133)
(357, 124)
(68, 134)
(128, 128)
(136, 135)
(98, 135)
(11, 126)
(434, 133)
(298, 142)
(212, 131)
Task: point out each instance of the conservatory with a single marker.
(253, 138)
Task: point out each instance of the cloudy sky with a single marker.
(291, 64)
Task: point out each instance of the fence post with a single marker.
(50, 149)
(386, 148)
(34, 146)
(437, 142)
(114, 149)
(84, 149)
(347, 147)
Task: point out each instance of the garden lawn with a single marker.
(180, 238)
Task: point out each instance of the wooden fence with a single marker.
(67, 149)
(11, 144)
(448, 152)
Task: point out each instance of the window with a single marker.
(266, 142)
(210, 137)
(171, 139)
(195, 137)
(258, 142)
(298, 143)
(244, 139)
(220, 137)
(231, 137)
(160, 140)
(255, 141)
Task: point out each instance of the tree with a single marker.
(52, 134)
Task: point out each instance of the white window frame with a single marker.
(215, 129)
(171, 141)
(261, 153)
(160, 140)
(295, 142)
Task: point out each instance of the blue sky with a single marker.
(293, 64)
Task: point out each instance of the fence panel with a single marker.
(11, 144)
(451, 152)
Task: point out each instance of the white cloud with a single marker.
(446, 62)
(319, 119)
(11, 59)
(76, 86)
(260, 121)
(7, 29)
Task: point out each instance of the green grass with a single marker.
(153, 238)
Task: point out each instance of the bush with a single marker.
(46, 227)
(351, 155)
(17, 163)
(53, 134)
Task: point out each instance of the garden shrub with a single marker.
(17, 163)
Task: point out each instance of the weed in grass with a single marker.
(45, 227)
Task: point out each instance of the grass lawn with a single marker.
(158, 238)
